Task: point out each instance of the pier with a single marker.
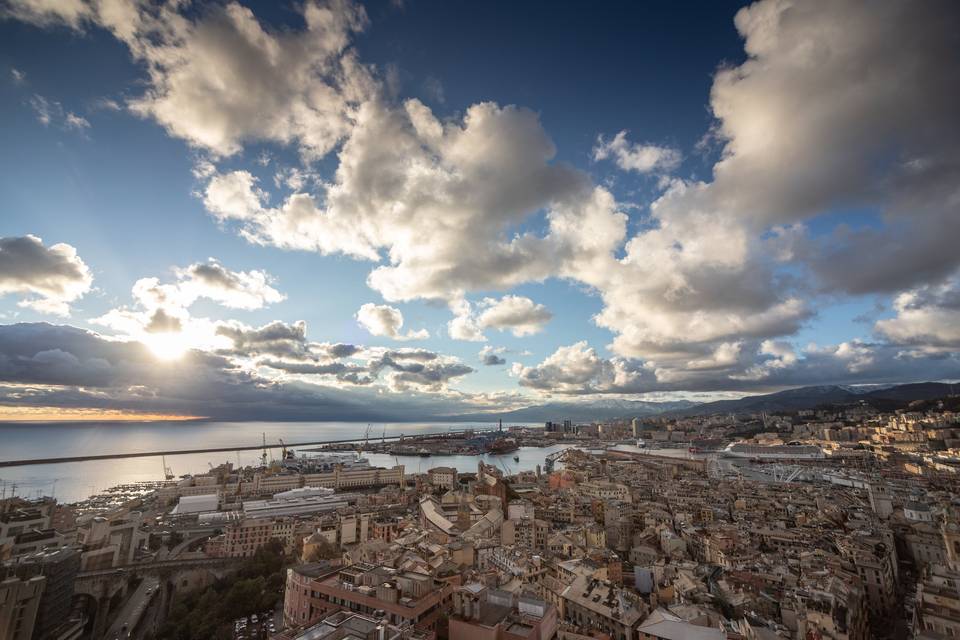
(177, 452)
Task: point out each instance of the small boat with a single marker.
(516, 458)
(423, 453)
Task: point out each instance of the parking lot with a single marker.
(258, 626)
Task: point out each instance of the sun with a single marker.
(167, 345)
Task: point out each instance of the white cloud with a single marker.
(386, 321)
(48, 12)
(781, 356)
(53, 276)
(73, 121)
(233, 289)
(219, 78)
(51, 112)
(518, 314)
(699, 294)
(927, 317)
(161, 317)
(579, 370)
(463, 325)
(641, 158)
(43, 109)
(404, 176)
(224, 79)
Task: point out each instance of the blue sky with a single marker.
(635, 202)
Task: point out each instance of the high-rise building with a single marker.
(19, 601)
(59, 569)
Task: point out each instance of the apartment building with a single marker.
(482, 613)
(399, 597)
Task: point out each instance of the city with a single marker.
(479, 320)
(837, 522)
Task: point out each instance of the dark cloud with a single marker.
(55, 275)
(277, 339)
(492, 359)
(61, 366)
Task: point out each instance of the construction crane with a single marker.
(366, 436)
(263, 456)
(283, 449)
(167, 473)
(383, 439)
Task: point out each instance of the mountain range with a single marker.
(883, 397)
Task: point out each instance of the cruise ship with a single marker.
(791, 451)
(325, 462)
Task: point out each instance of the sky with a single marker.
(406, 210)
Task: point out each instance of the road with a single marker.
(133, 609)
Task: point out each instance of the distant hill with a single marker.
(581, 411)
(882, 397)
(886, 398)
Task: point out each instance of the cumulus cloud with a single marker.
(641, 158)
(838, 105)
(578, 369)
(927, 317)
(218, 78)
(492, 356)
(518, 314)
(807, 131)
(705, 270)
(404, 176)
(51, 277)
(161, 314)
(386, 321)
(232, 289)
(277, 339)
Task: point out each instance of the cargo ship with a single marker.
(502, 445)
(790, 451)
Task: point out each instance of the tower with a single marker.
(950, 530)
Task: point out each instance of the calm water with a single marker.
(74, 481)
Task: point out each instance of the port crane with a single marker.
(167, 473)
(553, 458)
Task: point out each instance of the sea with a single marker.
(74, 481)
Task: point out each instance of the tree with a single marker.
(323, 551)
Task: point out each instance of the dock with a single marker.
(178, 452)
